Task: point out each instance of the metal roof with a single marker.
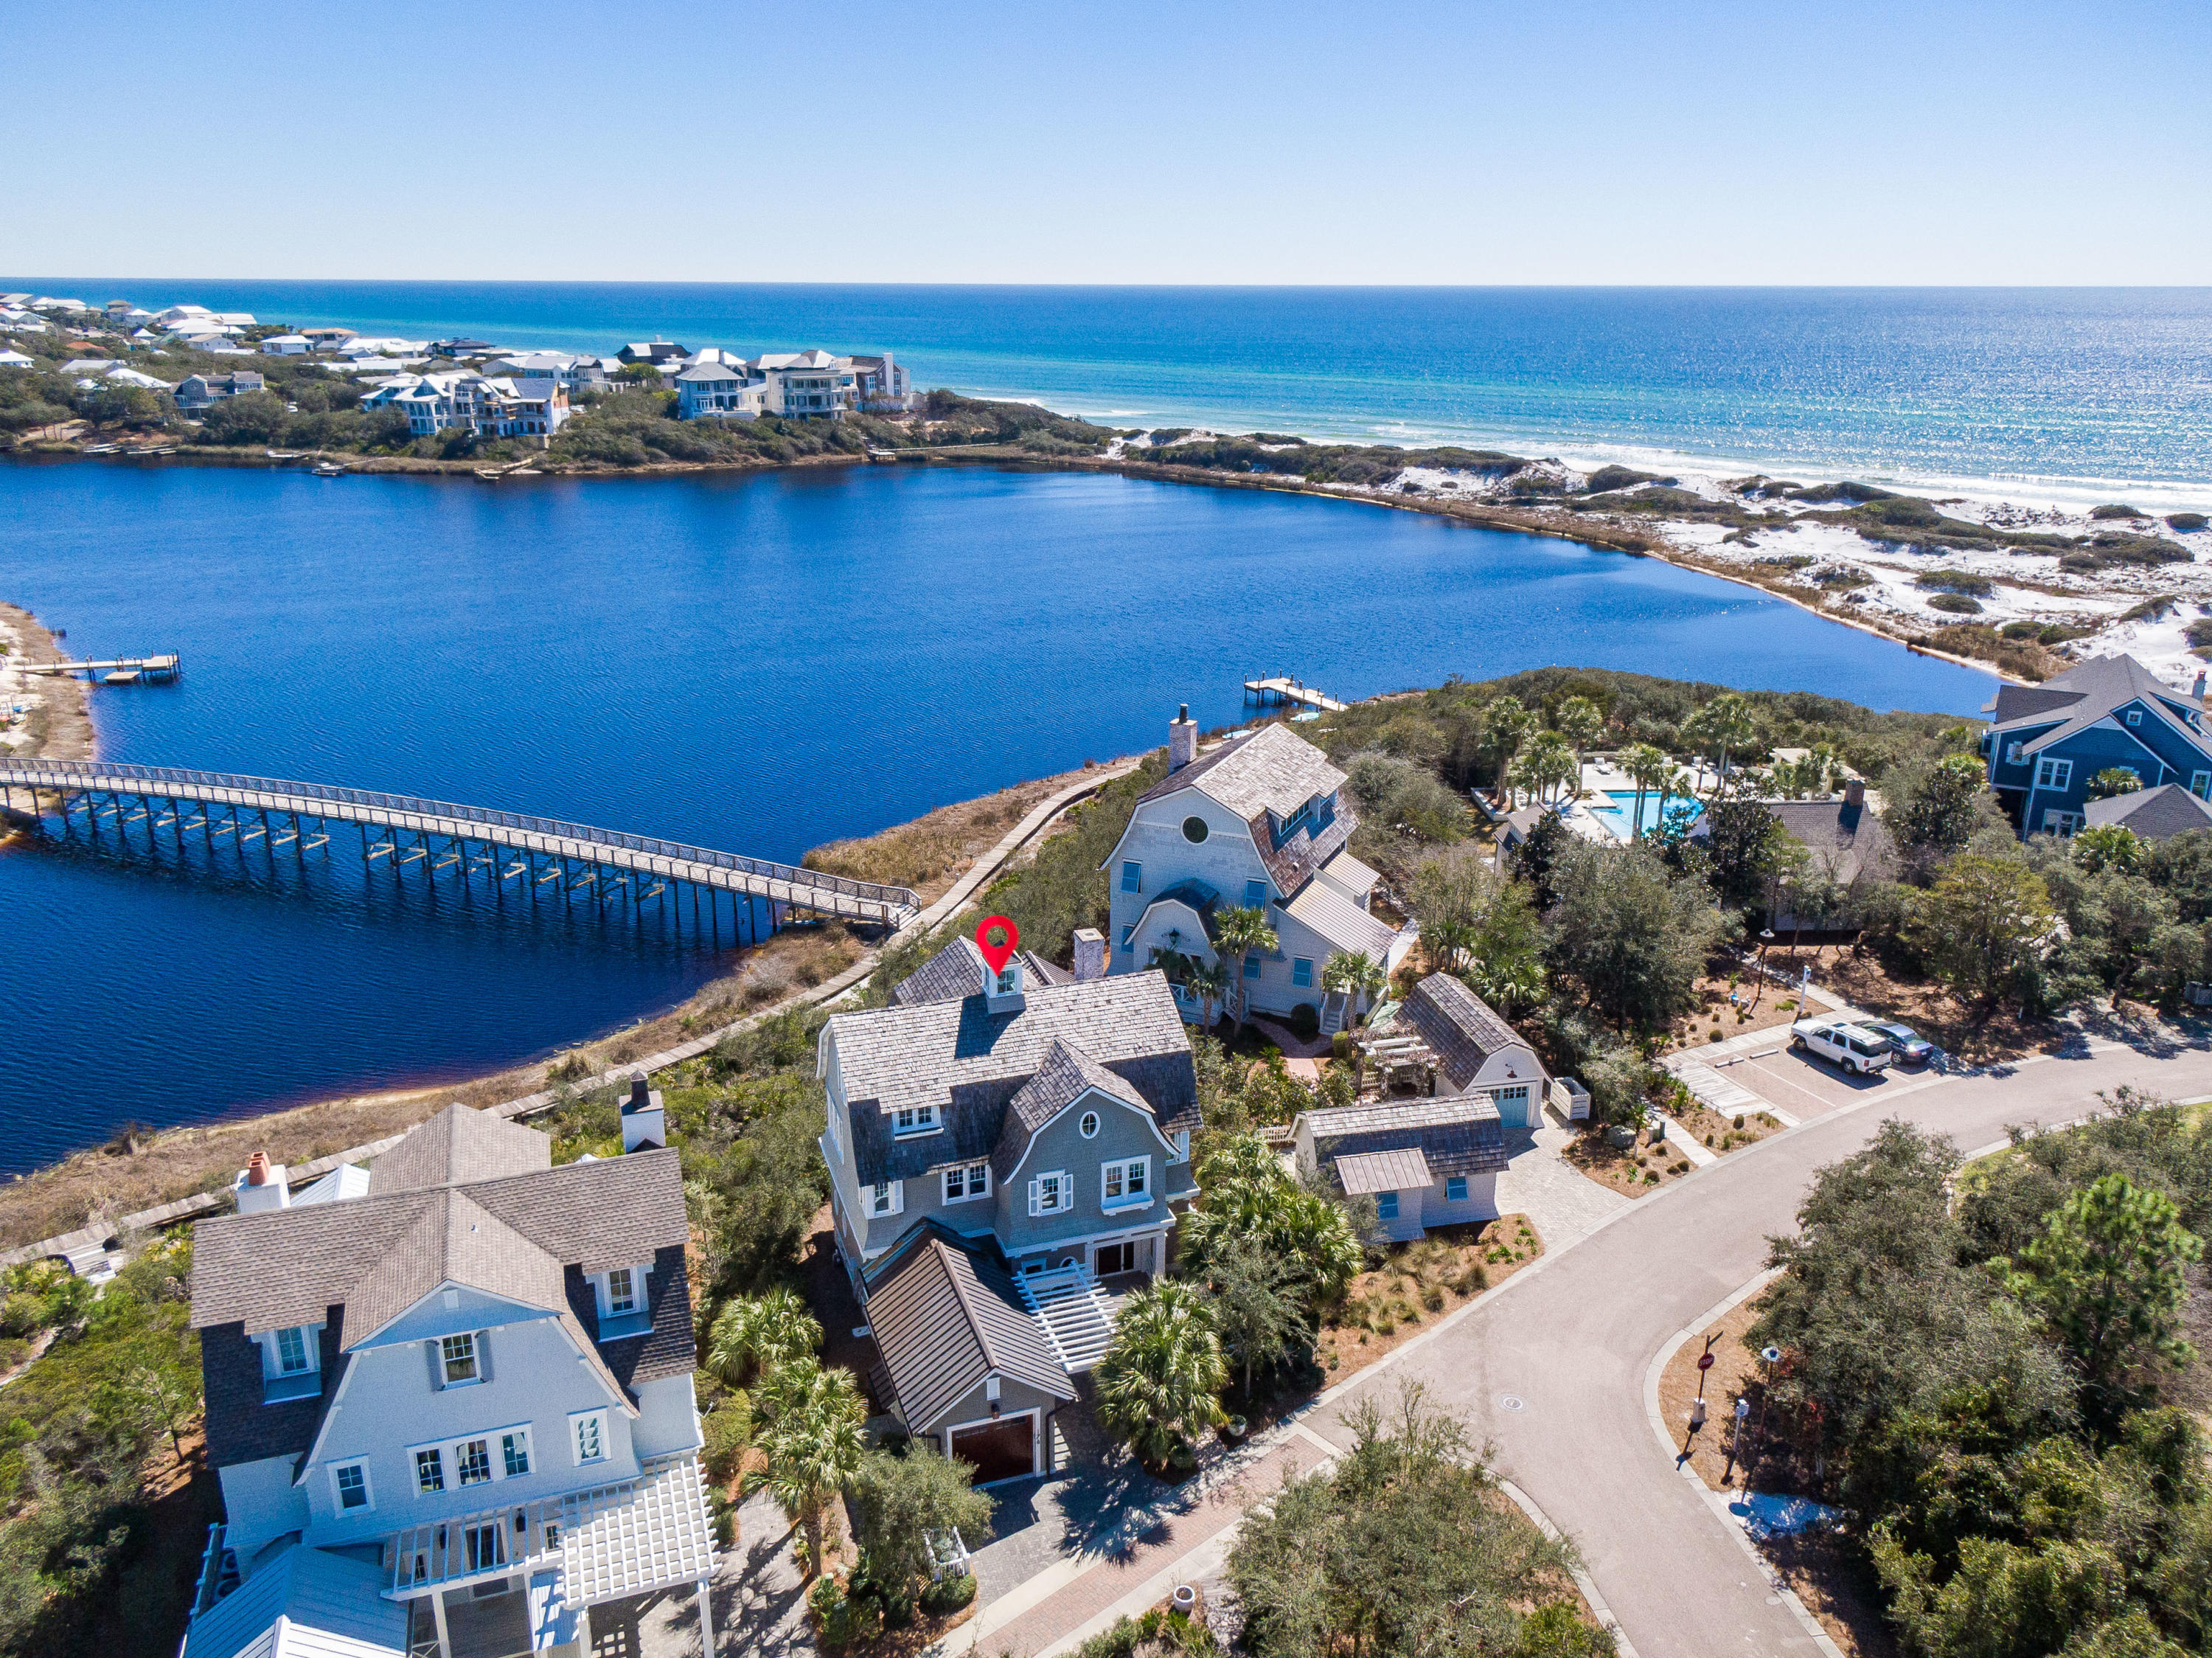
(1383, 1171)
(944, 1318)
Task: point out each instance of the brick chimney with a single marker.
(1854, 794)
(1183, 740)
(260, 1186)
(1090, 954)
(643, 1123)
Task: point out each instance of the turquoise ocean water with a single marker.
(2084, 394)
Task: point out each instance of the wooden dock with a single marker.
(1283, 689)
(166, 667)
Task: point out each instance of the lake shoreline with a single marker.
(1635, 540)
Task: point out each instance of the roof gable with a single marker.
(1273, 770)
(1461, 1029)
(1455, 1134)
(945, 1318)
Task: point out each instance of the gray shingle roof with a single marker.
(1065, 1075)
(944, 1317)
(356, 1264)
(2153, 813)
(1461, 1029)
(2083, 695)
(1273, 770)
(1853, 840)
(958, 971)
(970, 1062)
(1455, 1134)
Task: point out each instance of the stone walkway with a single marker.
(1540, 1183)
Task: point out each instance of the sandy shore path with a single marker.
(55, 721)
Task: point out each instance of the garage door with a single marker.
(998, 1450)
(1512, 1106)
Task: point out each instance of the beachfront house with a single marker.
(1423, 1163)
(287, 346)
(711, 390)
(489, 405)
(880, 385)
(197, 392)
(1260, 823)
(449, 1399)
(999, 1143)
(806, 383)
(16, 360)
(576, 374)
(2047, 742)
(651, 350)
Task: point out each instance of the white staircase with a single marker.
(1072, 1313)
(1334, 1005)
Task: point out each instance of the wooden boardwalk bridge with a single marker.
(120, 801)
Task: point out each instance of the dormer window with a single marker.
(291, 1360)
(292, 1352)
(914, 1119)
(1010, 979)
(621, 1292)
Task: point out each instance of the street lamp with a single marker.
(1765, 938)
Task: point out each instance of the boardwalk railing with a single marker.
(783, 883)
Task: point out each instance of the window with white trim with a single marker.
(1255, 894)
(2053, 773)
(914, 1119)
(2012, 753)
(1126, 1184)
(2135, 716)
(456, 1356)
(2056, 822)
(514, 1453)
(1132, 877)
(2200, 784)
(294, 1352)
(430, 1469)
(1088, 1128)
(349, 1486)
(1386, 1205)
(886, 1197)
(966, 1182)
(472, 1461)
(622, 1291)
(1050, 1194)
(1302, 971)
(587, 1436)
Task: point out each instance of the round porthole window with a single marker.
(1088, 1125)
(1193, 830)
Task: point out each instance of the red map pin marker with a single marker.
(996, 954)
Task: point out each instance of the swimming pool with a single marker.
(1618, 815)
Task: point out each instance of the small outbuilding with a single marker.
(1425, 1162)
(1476, 1052)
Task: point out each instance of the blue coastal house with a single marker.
(2046, 741)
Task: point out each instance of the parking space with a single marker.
(1801, 1085)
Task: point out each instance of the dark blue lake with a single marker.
(756, 664)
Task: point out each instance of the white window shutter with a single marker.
(1035, 1191)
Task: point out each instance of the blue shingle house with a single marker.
(2046, 741)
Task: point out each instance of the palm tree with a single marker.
(1721, 724)
(1353, 975)
(756, 1334)
(1581, 721)
(1505, 726)
(1507, 985)
(1672, 782)
(1160, 1380)
(1209, 982)
(1645, 765)
(813, 1445)
(1448, 940)
(1546, 766)
(1237, 933)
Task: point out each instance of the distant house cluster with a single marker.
(713, 385)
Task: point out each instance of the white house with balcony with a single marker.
(449, 1400)
(719, 390)
(806, 383)
(1260, 823)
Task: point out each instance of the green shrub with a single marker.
(2185, 521)
(1955, 603)
(1305, 1021)
(1955, 581)
(2117, 511)
(948, 1594)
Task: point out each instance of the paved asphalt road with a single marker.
(1573, 1338)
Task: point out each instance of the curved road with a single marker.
(1572, 1337)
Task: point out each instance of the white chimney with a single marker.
(643, 1125)
(1183, 740)
(1090, 954)
(2197, 689)
(260, 1186)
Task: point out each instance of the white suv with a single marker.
(1855, 1050)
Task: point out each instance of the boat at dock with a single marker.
(286, 454)
(330, 469)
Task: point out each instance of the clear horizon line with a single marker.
(1190, 287)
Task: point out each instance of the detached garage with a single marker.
(964, 1362)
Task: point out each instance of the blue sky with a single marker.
(1552, 142)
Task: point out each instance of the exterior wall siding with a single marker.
(260, 1504)
(1060, 1146)
(1014, 1397)
(390, 1404)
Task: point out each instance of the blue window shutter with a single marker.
(1255, 894)
(1132, 874)
(1386, 1205)
(1125, 931)
(1252, 957)
(1302, 971)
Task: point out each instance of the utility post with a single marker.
(1735, 1439)
(1765, 938)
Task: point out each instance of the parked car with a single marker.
(1857, 1051)
(1906, 1042)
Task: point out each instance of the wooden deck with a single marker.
(1282, 689)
